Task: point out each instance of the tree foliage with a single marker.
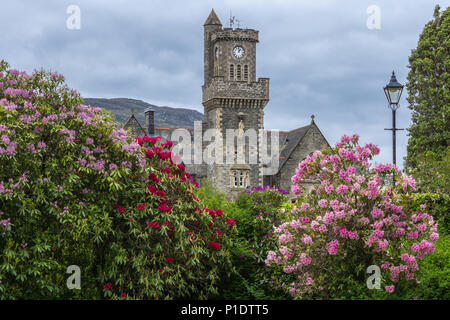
(429, 99)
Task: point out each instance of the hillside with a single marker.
(164, 116)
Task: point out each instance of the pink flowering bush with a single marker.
(353, 217)
(76, 189)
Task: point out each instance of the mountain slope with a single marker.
(164, 116)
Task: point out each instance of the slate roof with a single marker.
(288, 141)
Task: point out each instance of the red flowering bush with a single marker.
(354, 217)
(76, 189)
(165, 244)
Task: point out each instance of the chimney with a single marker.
(150, 120)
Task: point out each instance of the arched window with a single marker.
(246, 72)
(231, 71)
(216, 62)
(238, 72)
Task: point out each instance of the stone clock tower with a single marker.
(234, 99)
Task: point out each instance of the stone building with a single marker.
(233, 98)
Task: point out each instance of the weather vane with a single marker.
(232, 18)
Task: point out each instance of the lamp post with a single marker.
(393, 91)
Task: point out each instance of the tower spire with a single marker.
(212, 19)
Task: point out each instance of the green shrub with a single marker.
(76, 189)
(256, 211)
(435, 271)
(437, 204)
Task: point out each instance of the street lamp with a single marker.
(393, 91)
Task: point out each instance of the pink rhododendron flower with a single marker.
(332, 247)
(390, 289)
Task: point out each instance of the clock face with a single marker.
(238, 52)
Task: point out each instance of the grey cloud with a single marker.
(320, 56)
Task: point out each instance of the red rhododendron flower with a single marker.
(211, 212)
(181, 167)
(166, 222)
(162, 270)
(219, 212)
(154, 177)
(120, 209)
(151, 188)
(149, 153)
(164, 155)
(139, 141)
(169, 259)
(153, 140)
(108, 286)
(214, 245)
(168, 143)
(146, 139)
(153, 224)
(163, 208)
(124, 295)
(230, 221)
(195, 183)
(160, 193)
(141, 206)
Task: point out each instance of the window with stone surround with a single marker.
(246, 72)
(231, 71)
(238, 72)
(240, 178)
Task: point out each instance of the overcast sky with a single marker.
(320, 56)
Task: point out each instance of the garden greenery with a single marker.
(76, 189)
